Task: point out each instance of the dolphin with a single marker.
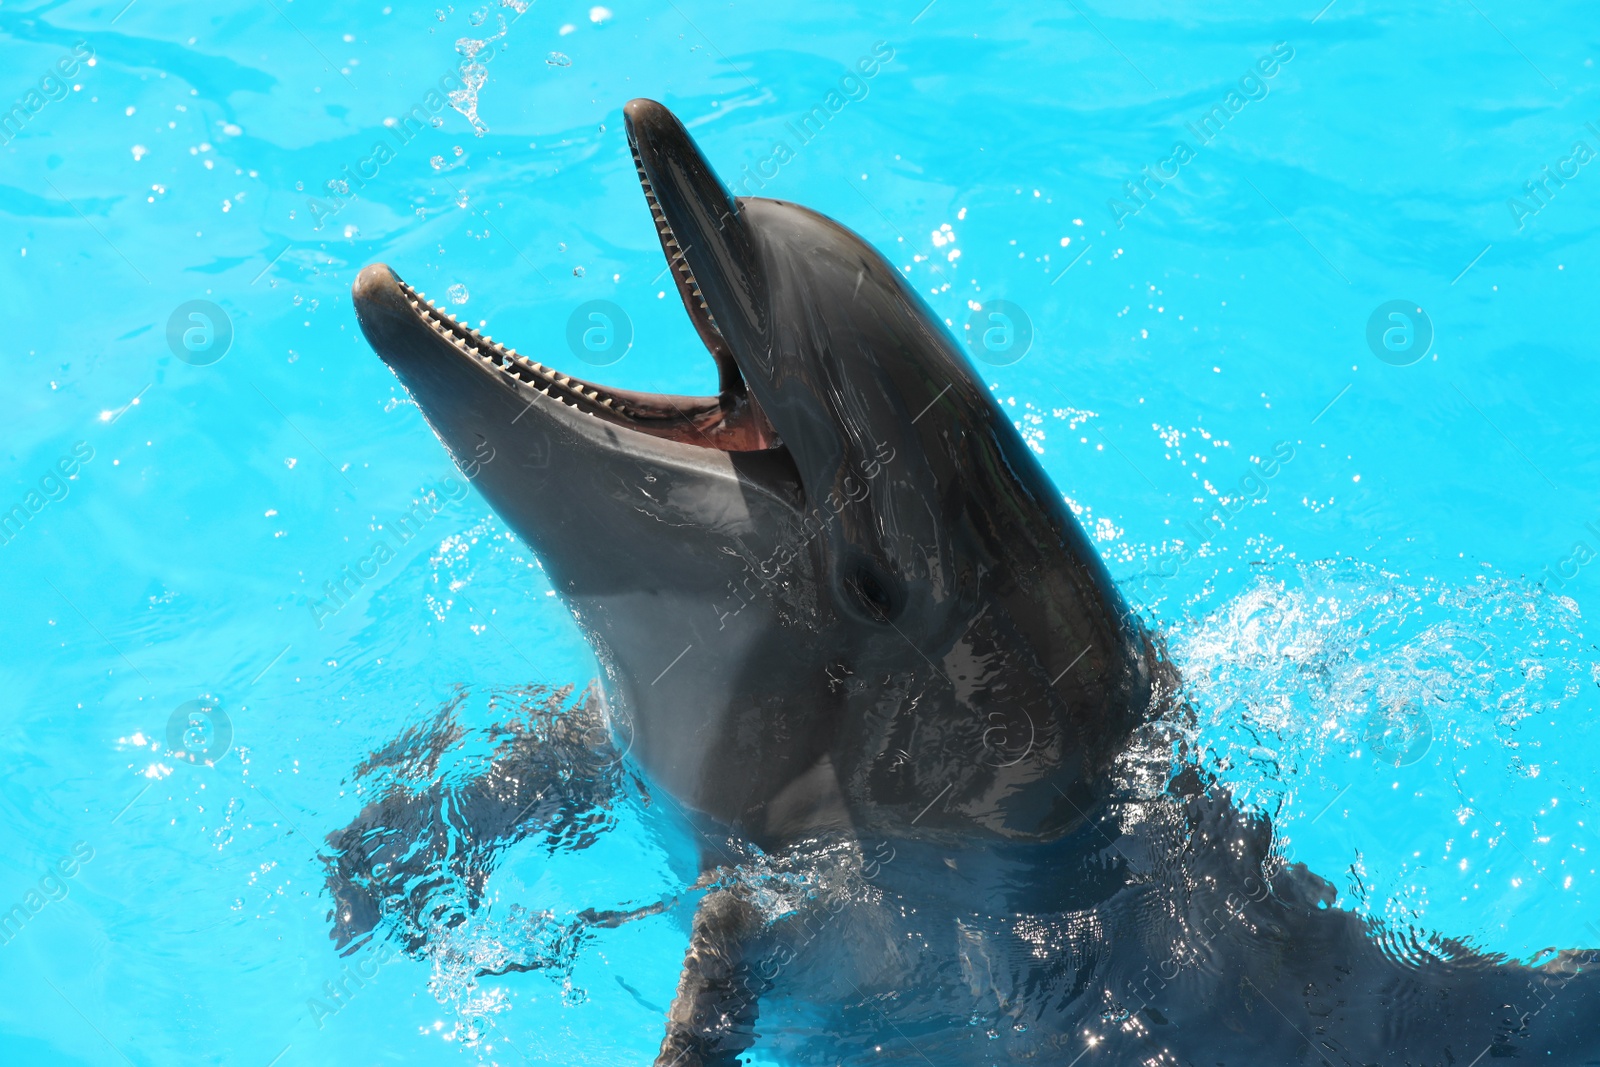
(850, 632)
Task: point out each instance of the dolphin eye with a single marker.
(871, 592)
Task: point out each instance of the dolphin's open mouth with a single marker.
(731, 421)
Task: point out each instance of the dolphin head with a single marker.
(847, 559)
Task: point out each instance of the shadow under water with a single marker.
(449, 800)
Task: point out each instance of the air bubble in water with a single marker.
(558, 59)
(577, 272)
(437, 162)
(457, 293)
(477, 17)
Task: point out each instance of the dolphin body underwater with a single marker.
(848, 627)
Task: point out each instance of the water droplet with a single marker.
(558, 59)
(602, 127)
(458, 150)
(436, 122)
(577, 272)
(437, 162)
(465, 100)
(299, 187)
(440, 14)
(562, 247)
(458, 293)
(477, 17)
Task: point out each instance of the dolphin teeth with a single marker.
(543, 380)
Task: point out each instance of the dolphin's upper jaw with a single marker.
(694, 301)
(743, 419)
(710, 250)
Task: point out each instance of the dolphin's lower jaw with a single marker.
(730, 422)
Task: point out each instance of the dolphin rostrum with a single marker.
(846, 622)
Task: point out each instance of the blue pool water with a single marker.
(1333, 534)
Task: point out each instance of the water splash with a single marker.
(1410, 739)
(473, 76)
(1326, 660)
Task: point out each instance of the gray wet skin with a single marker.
(841, 601)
